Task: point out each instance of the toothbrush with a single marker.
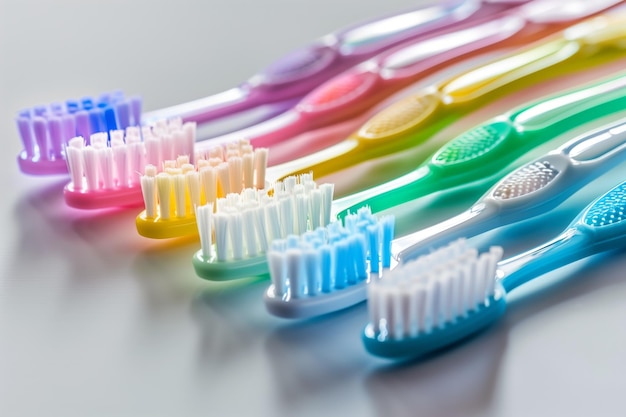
(45, 129)
(320, 273)
(316, 267)
(106, 175)
(103, 172)
(591, 155)
(359, 89)
(531, 190)
(483, 153)
(413, 120)
(245, 225)
(442, 298)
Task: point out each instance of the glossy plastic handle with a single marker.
(595, 230)
(575, 164)
(487, 149)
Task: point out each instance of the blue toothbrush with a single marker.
(441, 298)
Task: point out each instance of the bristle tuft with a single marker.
(328, 259)
(432, 290)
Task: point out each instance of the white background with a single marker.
(97, 321)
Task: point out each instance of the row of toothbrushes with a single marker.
(336, 108)
(250, 226)
(407, 124)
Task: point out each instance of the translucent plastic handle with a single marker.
(379, 33)
(600, 227)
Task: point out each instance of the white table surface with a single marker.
(97, 321)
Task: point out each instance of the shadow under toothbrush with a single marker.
(309, 357)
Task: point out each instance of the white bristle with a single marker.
(323, 261)
(193, 186)
(136, 158)
(204, 219)
(164, 192)
(189, 130)
(92, 167)
(272, 219)
(167, 146)
(121, 164)
(260, 167)
(180, 195)
(235, 228)
(169, 164)
(179, 144)
(208, 181)
(149, 191)
(276, 265)
(433, 290)
(221, 235)
(301, 213)
(75, 163)
(286, 210)
(249, 229)
(223, 178)
(217, 153)
(255, 218)
(105, 156)
(235, 174)
(248, 170)
(187, 168)
(327, 199)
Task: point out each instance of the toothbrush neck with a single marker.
(571, 245)
(480, 217)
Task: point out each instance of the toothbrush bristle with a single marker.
(525, 180)
(216, 174)
(45, 130)
(332, 258)
(431, 291)
(608, 210)
(469, 145)
(111, 161)
(245, 224)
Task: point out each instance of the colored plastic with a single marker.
(485, 152)
(599, 227)
(529, 191)
(264, 95)
(411, 122)
(359, 89)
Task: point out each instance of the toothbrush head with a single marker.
(327, 270)
(104, 173)
(433, 302)
(401, 118)
(236, 237)
(46, 130)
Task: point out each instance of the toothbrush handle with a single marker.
(299, 72)
(408, 187)
(478, 219)
(574, 244)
